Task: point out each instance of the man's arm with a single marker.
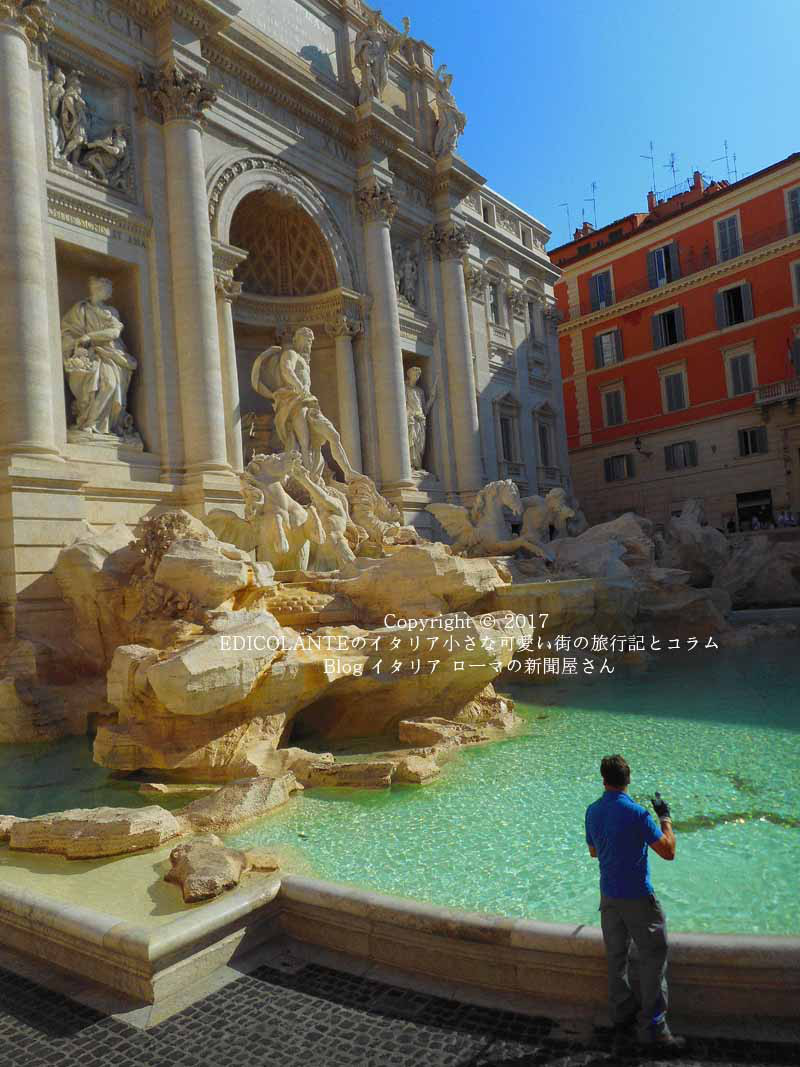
(664, 845)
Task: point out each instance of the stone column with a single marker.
(179, 98)
(450, 244)
(378, 207)
(343, 329)
(26, 371)
(227, 291)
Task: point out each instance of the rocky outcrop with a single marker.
(210, 572)
(239, 802)
(762, 572)
(204, 867)
(366, 774)
(419, 581)
(609, 550)
(89, 833)
(692, 545)
(7, 822)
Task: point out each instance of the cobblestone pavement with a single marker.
(316, 1017)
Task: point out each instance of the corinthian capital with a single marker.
(226, 286)
(376, 202)
(174, 93)
(342, 326)
(449, 240)
(30, 16)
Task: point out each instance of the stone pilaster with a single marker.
(178, 99)
(378, 207)
(227, 291)
(26, 371)
(449, 242)
(343, 329)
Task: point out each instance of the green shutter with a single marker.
(652, 277)
(692, 453)
(618, 344)
(794, 211)
(719, 311)
(680, 332)
(609, 468)
(669, 461)
(796, 355)
(674, 261)
(593, 293)
(761, 439)
(629, 465)
(598, 351)
(658, 332)
(747, 301)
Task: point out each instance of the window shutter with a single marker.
(668, 457)
(722, 230)
(674, 261)
(746, 368)
(598, 351)
(747, 301)
(618, 344)
(594, 292)
(794, 211)
(652, 277)
(679, 328)
(761, 437)
(692, 453)
(742, 443)
(796, 355)
(631, 470)
(797, 280)
(609, 469)
(658, 332)
(719, 308)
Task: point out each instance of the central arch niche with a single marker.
(288, 254)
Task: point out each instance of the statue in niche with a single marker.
(73, 118)
(99, 368)
(55, 96)
(417, 411)
(450, 121)
(373, 46)
(407, 275)
(107, 158)
(283, 375)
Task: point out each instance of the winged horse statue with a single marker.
(482, 529)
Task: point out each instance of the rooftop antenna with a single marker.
(652, 159)
(569, 221)
(728, 169)
(735, 171)
(672, 165)
(593, 199)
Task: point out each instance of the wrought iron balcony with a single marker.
(549, 476)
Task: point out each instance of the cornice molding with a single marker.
(89, 215)
(690, 281)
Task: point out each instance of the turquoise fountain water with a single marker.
(502, 831)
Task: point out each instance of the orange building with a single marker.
(680, 352)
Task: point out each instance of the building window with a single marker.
(793, 201)
(617, 468)
(663, 265)
(728, 239)
(753, 441)
(545, 451)
(613, 407)
(607, 348)
(527, 237)
(673, 389)
(740, 373)
(532, 317)
(494, 302)
(584, 250)
(734, 305)
(616, 235)
(668, 328)
(600, 290)
(507, 437)
(796, 282)
(683, 454)
(488, 213)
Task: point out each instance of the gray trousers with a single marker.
(643, 922)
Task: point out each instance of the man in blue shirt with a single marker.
(618, 833)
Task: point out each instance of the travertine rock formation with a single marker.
(203, 868)
(238, 802)
(761, 572)
(694, 546)
(88, 833)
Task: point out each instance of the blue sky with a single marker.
(565, 92)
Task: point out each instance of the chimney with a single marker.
(651, 201)
(698, 181)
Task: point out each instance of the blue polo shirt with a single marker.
(620, 831)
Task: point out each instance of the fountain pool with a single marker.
(502, 831)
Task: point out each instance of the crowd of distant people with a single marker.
(765, 520)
